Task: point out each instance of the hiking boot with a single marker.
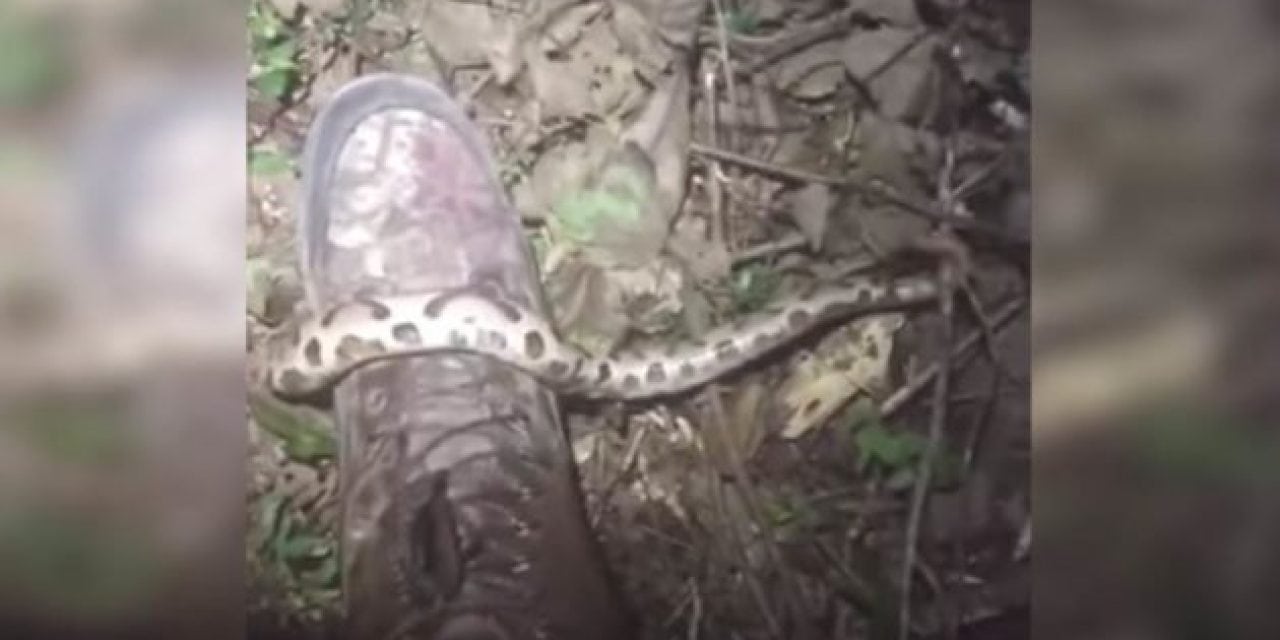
(462, 513)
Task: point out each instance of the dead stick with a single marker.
(873, 189)
(908, 391)
(924, 475)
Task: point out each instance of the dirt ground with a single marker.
(843, 489)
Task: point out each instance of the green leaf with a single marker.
(581, 215)
(741, 22)
(270, 507)
(304, 436)
(326, 575)
(269, 162)
(878, 445)
(303, 546)
(618, 202)
(753, 287)
(280, 55)
(275, 82)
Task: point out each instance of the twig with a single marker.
(950, 270)
(953, 268)
(753, 584)
(798, 175)
(924, 474)
(896, 56)
(679, 608)
(467, 99)
(792, 241)
(988, 334)
(695, 621)
(908, 391)
(802, 38)
(726, 63)
(871, 188)
(715, 184)
(628, 465)
(723, 234)
(746, 492)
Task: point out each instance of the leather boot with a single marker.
(462, 513)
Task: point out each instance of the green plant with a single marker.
(297, 556)
(273, 51)
(266, 161)
(897, 453)
(584, 215)
(741, 22)
(294, 546)
(303, 435)
(877, 445)
(752, 287)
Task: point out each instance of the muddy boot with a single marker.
(462, 514)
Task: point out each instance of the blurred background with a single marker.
(121, 305)
(1156, 351)
(1154, 319)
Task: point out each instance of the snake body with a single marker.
(317, 352)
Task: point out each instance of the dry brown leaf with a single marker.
(329, 79)
(897, 12)
(653, 295)
(288, 7)
(457, 32)
(587, 305)
(678, 20)
(735, 436)
(766, 11)
(559, 171)
(640, 39)
(886, 229)
(811, 73)
(748, 419)
(591, 77)
(707, 261)
(504, 49)
(568, 28)
(865, 52)
(810, 209)
(561, 91)
(514, 38)
(855, 360)
(597, 308)
(663, 130)
(893, 152)
(697, 314)
(656, 32)
(898, 77)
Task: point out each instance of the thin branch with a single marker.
(924, 475)
(751, 501)
(792, 241)
(768, 168)
(951, 269)
(873, 188)
(802, 38)
(908, 391)
(738, 544)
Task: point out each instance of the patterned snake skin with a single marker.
(312, 355)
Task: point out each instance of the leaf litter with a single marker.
(592, 108)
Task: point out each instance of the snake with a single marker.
(315, 352)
